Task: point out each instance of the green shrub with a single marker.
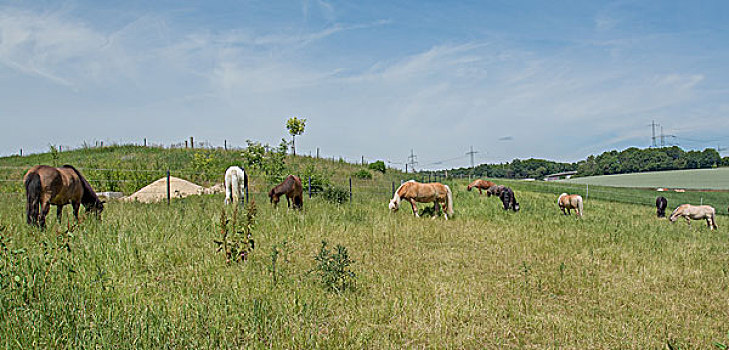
(333, 268)
(319, 179)
(335, 194)
(378, 166)
(362, 174)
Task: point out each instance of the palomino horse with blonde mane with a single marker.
(480, 185)
(435, 192)
(570, 201)
(696, 212)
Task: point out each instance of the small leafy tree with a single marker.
(295, 127)
(333, 268)
(378, 166)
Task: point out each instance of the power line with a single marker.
(412, 160)
(471, 154)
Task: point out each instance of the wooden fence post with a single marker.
(350, 190)
(309, 186)
(168, 186)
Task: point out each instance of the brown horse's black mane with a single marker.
(89, 197)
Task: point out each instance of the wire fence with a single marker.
(129, 181)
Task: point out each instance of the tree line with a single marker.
(630, 160)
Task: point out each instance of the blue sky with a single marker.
(514, 79)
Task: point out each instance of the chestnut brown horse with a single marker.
(570, 201)
(435, 192)
(481, 185)
(292, 188)
(46, 185)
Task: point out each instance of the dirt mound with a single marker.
(179, 188)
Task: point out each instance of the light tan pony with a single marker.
(434, 192)
(696, 212)
(481, 185)
(570, 201)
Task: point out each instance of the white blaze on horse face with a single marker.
(393, 206)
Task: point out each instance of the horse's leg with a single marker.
(415, 207)
(59, 212)
(436, 209)
(76, 206)
(45, 208)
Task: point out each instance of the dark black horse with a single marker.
(661, 204)
(509, 200)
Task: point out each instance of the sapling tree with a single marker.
(296, 127)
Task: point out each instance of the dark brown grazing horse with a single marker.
(293, 190)
(46, 185)
(481, 185)
(495, 190)
(508, 199)
(661, 204)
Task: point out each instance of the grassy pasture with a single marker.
(713, 179)
(148, 276)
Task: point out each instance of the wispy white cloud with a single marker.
(449, 94)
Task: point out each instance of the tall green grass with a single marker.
(149, 276)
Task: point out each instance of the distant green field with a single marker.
(714, 179)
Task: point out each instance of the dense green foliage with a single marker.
(516, 169)
(377, 166)
(362, 174)
(633, 160)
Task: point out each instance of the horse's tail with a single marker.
(33, 192)
(449, 209)
(245, 178)
(235, 188)
(579, 204)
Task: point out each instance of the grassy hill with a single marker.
(714, 179)
(128, 168)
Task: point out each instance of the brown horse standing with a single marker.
(293, 190)
(435, 192)
(45, 185)
(481, 185)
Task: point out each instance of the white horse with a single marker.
(696, 212)
(236, 180)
